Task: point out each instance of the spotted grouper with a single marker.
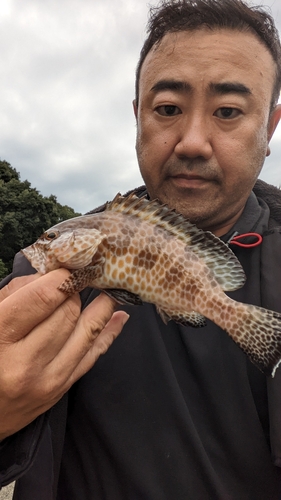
(139, 250)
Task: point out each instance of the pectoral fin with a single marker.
(81, 278)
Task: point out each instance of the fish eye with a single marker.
(51, 235)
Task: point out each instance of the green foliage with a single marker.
(3, 270)
(24, 214)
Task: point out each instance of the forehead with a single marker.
(204, 55)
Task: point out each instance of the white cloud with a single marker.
(66, 87)
(67, 82)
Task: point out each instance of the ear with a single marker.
(135, 106)
(272, 124)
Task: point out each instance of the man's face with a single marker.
(203, 122)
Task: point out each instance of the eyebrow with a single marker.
(176, 85)
(229, 88)
(214, 88)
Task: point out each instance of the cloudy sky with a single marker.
(66, 87)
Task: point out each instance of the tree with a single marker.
(24, 214)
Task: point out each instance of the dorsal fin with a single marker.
(208, 247)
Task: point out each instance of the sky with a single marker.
(66, 89)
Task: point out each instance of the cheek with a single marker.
(152, 135)
(153, 150)
(256, 150)
(261, 140)
(243, 156)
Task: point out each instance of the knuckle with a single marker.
(22, 384)
(94, 328)
(15, 382)
(47, 390)
(51, 389)
(72, 310)
(44, 298)
(46, 295)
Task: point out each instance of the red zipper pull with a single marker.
(236, 237)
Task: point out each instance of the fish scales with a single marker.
(139, 250)
(149, 264)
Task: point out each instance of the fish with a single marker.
(138, 250)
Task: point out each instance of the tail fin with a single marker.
(258, 333)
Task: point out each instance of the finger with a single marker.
(101, 345)
(30, 305)
(15, 284)
(91, 322)
(46, 340)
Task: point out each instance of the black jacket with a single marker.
(169, 412)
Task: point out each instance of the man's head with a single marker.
(206, 107)
(186, 15)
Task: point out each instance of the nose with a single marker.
(194, 139)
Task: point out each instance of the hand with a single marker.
(46, 344)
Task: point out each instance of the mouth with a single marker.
(191, 181)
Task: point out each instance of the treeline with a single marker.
(24, 215)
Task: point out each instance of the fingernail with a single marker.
(125, 319)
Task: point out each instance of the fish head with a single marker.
(71, 248)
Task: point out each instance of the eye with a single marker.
(52, 235)
(168, 110)
(227, 113)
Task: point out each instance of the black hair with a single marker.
(171, 16)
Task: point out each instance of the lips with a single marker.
(189, 180)
(188, 177)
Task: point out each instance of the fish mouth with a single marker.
(35, 257)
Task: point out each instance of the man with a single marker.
(169, 412)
